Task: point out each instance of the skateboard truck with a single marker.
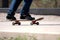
(16, 22)
(33, 22)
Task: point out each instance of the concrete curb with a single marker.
(38, 11)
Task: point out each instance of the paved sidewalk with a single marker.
(48, 21)
(49, 28)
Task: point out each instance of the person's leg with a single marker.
(25, 10)
(26, 7)
(13, 7)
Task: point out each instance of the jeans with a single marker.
(14, 5)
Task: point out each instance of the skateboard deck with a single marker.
(32, 21)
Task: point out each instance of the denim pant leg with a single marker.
(13, 7)
(26, 7)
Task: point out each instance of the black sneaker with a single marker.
(22, 16)
(28, 17)
(11, 18)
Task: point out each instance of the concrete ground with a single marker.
(48, 29)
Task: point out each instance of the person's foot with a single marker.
(11, 18)
(28, 17)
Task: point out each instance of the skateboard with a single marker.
(32, 21)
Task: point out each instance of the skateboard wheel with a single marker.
(13, 23)
(31, 23)
(37, 23)
(19, 23)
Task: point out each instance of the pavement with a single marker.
(48, 29)
(50, 23)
